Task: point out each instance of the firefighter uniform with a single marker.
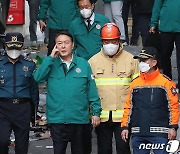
(151, 107)
(113, 77)
(18, 90)
(149, 95)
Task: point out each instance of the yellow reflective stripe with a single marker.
(104, 114)
(135, 75)
(115, 114)
(112, 81)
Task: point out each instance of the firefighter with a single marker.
(18, 92)
(113, 68)
(151, 109)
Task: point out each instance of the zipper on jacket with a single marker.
(152, 91)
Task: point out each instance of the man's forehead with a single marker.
(84, 2)
(63, 38)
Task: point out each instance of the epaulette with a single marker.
(167, 77)
(135, 78)
(28, 58)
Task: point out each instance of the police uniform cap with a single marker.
(14, 40)
(147, 52)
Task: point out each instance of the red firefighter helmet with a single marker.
(110, 31)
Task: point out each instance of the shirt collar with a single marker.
(68, 63)
(73, 60)
(91, 18)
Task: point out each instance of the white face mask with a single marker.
(144, 67)
(86, 13)
(110, 49)
(14, 54)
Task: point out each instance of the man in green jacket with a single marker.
(87, 35)
(71, 96)
(60, 14)
(167, 13)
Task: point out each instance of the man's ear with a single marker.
(154, 62)
(93, 6)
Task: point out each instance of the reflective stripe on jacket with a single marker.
(113, 77)
(151, 106)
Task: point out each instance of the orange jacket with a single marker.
(151, 106)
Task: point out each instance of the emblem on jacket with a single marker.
(78, 70)
(173, 91)
(25, 68)
(98, 26)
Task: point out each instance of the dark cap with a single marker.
(14, 40)
(147, 52)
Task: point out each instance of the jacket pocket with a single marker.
(80, 80)
(99, 71)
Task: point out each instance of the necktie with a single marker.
(64, 68)
(88, 23)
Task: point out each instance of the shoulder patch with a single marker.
(173, 90)
(166, 77)
(27, 58)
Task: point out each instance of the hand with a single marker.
(42, 25)
(152, 30)
(124, 135)
(172, 134)
(95, 121)
(55, 52)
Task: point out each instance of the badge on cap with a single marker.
(143, 51)
(173, 91)
(98, 26)
(78, 70)
(25, 68)
(14, 38)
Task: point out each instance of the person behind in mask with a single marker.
(18, 90)
(151, 109)
(113, 69)
(86, 30)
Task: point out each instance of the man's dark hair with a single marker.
(64, 32)
(91, 1)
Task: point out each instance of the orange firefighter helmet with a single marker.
(110, 31)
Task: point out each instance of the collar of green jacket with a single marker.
(58, 61)
(96, 18)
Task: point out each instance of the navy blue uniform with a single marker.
(18, 90)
